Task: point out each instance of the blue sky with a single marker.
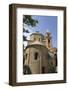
(46, 23)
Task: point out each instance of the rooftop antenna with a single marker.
(47, 31)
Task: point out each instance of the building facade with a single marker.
(39, 55)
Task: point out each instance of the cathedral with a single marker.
(40, 57)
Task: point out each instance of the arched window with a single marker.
(36, 55)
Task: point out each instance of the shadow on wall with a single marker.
(26, 70)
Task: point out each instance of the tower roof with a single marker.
(37, 43)
(37, 33)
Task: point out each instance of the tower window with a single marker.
(36, 56)
(43, 69)
(26, 55)
(39, 39)
(48, 40)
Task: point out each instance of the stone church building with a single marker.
(39, 55)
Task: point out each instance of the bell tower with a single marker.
(48, 41)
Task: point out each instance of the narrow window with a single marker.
(56, 58)
(26, 56)
(48, 40)
(36, 56)
(43, 69)
(39, 39)
(34, 39)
